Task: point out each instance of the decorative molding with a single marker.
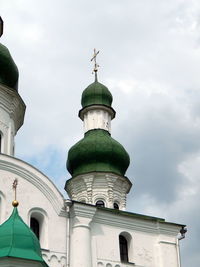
(109, 263)
(49, 255)
(12, 165)
(4, 126)
(135, 224)
(96, 185)
(83, 111)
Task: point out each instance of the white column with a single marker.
(81, 246)
(81, 250)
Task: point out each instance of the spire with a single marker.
(98, 161)
(17, 240)
(97, 151)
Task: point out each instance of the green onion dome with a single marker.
(96, 94)
(97, 152)
(8, 70)
(18, 241)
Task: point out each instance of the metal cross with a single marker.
(15, 183)
(1, 26)
(95, 61)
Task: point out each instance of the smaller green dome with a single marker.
(97, 152)
(8, 70)
(96, 94)
(18, 241)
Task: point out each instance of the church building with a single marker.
(40, 227)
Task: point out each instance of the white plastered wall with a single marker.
(154, 243)
(35, 192)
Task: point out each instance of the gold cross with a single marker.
(15, 202)
(95, 60)
(1, 26)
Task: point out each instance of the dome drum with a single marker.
(107, 187)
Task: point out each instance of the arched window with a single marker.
(100, 203)
(116, 206)
(38, 220)
(123, 248)
(35, 227)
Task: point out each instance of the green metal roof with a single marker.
(18, 241)
(97, 151)
(8, 70)
(96, 94)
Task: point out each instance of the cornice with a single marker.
(84, 110)
(79, 210)
(152, 226)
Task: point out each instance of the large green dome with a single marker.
(96, 94)
(97, 152)
(18, 241)
(8, 70)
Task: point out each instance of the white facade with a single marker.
(95, 238)
(78, 234)
(72, 233)
(38, 197)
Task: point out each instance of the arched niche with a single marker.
(126, 247)
(38, 222)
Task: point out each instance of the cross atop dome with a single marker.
(1, 26)
(96, 66)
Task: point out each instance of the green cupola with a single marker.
(97, 151)
(9, 74)
(96, 94)
(18, 241)
(8, 70)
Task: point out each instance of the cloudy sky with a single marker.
(150, 60)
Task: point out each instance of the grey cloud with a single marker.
(152, 44)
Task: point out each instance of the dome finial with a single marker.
(96, 66)
(15, 203)
(1, 26)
